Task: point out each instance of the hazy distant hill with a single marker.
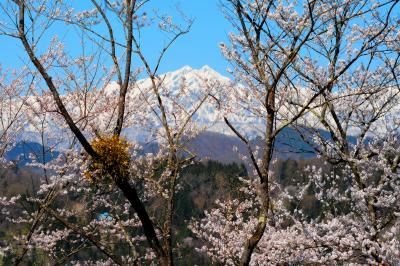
(220, 147)
(21, 152)
(207, 145)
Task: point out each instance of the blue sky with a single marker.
(199, 47)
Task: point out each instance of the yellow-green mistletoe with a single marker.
(112, 161)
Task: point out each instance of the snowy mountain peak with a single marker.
(207, 70)
(193, 77)
(173, 78)
(187, 72)
(182, 71)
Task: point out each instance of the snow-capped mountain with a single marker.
(185, 88)
(181, 90)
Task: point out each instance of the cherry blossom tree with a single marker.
(105, 174)
(15, 87)
(296, 65)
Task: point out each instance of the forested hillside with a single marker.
(202, 185)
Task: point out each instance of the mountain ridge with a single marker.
(217, 141)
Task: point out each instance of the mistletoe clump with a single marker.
(112, 161)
